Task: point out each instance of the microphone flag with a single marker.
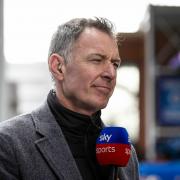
(113, 146)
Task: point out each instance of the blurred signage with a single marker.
(160, 171)
(168, 148)
(168, 100)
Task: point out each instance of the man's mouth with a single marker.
(103, 89)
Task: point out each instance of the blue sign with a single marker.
(168, 100)
(160, 171)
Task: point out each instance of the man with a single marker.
(57, 141)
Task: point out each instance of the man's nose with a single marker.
(109, 72)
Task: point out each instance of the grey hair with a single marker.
(67, 33)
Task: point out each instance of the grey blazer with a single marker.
(32, 147)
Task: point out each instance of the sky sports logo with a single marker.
(113, 146)
(112, 149)
(107, 137)
(106, 144)
(108, 149)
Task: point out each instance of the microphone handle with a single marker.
(114, 173)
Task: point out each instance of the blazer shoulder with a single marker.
(16, 124)
(27, 123)
(23, 120)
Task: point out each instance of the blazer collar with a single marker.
(53, 145)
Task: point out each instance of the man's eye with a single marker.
(97, 60)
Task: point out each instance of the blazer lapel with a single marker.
(53, 145)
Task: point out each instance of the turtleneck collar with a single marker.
(72, 121)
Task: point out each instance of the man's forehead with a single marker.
(94, 34)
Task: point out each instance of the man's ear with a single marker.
(56, 63)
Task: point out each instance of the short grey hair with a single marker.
(67, 33)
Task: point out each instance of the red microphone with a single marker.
(113, 147)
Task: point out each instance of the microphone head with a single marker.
(113, 147)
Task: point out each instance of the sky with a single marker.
(29, 24)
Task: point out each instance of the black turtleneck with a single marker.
(81, 132)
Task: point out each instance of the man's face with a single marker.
(90, 75)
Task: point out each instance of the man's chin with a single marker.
(103, 105)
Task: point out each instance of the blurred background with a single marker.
(147, 96)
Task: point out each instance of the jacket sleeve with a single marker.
(131, 171)
(8, 163)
